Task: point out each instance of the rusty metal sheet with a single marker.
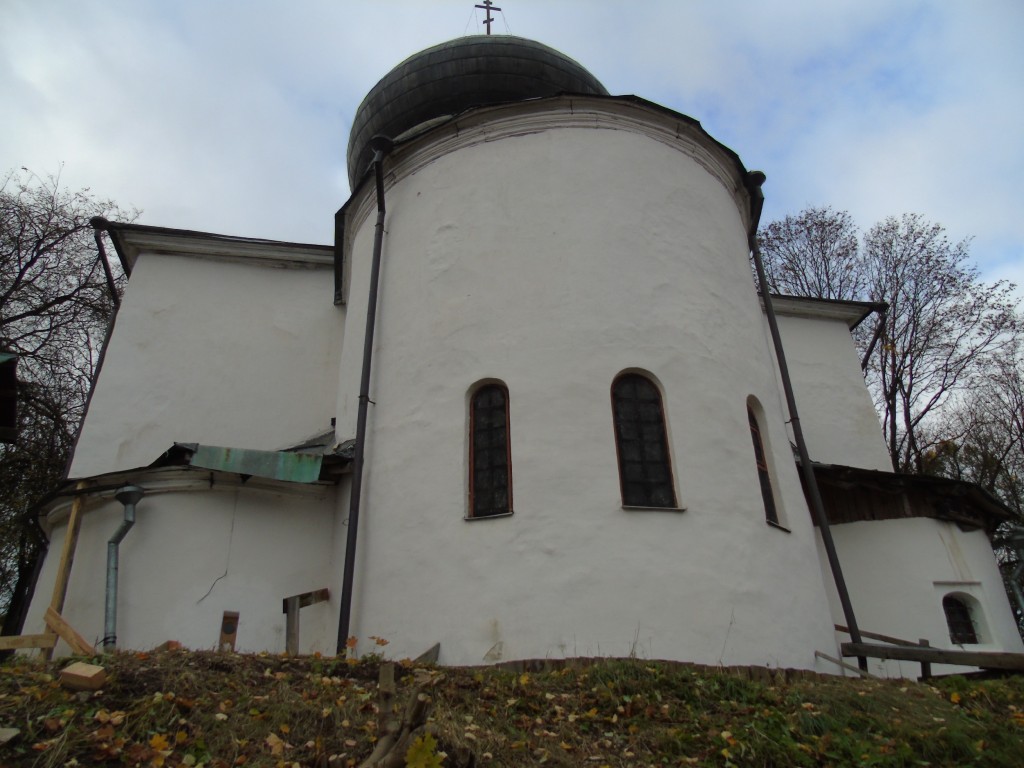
(278, 465)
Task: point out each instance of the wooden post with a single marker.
(290, 606)
(926, 666)
(67, 558)
(291, 623)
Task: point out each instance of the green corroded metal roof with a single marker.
(278, 465)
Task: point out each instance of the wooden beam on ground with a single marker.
(67, 558)
(17, 642)
(68, 634)
(983, 659)
(844, 665)
(876, 636)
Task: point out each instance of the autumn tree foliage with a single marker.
(945, 327)
(55, 308)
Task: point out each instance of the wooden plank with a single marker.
(983, 659)
(68, 634)
(430, 656)
(83, 677)
(15, 642)
(844, 665)
(306, 598)
(876, 636)
(67, 558)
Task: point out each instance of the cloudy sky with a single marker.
(232, 116)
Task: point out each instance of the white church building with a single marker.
(576, 440)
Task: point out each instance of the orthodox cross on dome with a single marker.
(487, 6)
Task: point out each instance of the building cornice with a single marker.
(132, 240)
(853, 313)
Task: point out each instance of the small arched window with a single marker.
(645, 471)
(959, 620)
(490, 453)
(764, 477)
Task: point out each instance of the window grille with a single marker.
(645, 471)
(490, 455)
(767, 495)
(959, 620)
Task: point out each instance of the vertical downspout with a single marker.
(129, 496)
(98, 223)
(875, 337)
(755, 180)
(381, 146)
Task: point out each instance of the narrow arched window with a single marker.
(959, 620)
(645, 472)
(490, 453)
(767, 495)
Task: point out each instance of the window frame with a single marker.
(765, 480)
(476, 392)
(957, 626)
(633, 503)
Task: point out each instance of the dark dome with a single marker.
(454, 76)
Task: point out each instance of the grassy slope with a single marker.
(189, 708)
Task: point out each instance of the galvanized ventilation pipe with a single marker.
(756, 179)
(381, 146)
(129, 496)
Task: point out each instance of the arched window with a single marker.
(959, 620)
(645, 472)
(490, 453)
(763, 476)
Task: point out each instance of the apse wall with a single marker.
(550, 246)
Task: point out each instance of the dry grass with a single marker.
(220, 710)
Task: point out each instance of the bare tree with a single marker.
(944, 330)
(815, 253)
(944, 326)
(989, 449)
(55, 306)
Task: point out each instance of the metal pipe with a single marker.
(99, 224)
(129, 496)
(875, 337)
(381, 146)
(817, 506)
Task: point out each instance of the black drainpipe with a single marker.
(381, 146)
(99, 224)
(879, 328)
(755, 180)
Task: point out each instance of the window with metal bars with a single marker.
(645, 470)
(490, 453)
(959, 621)
(763, 476)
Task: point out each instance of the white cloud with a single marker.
(233, 116)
